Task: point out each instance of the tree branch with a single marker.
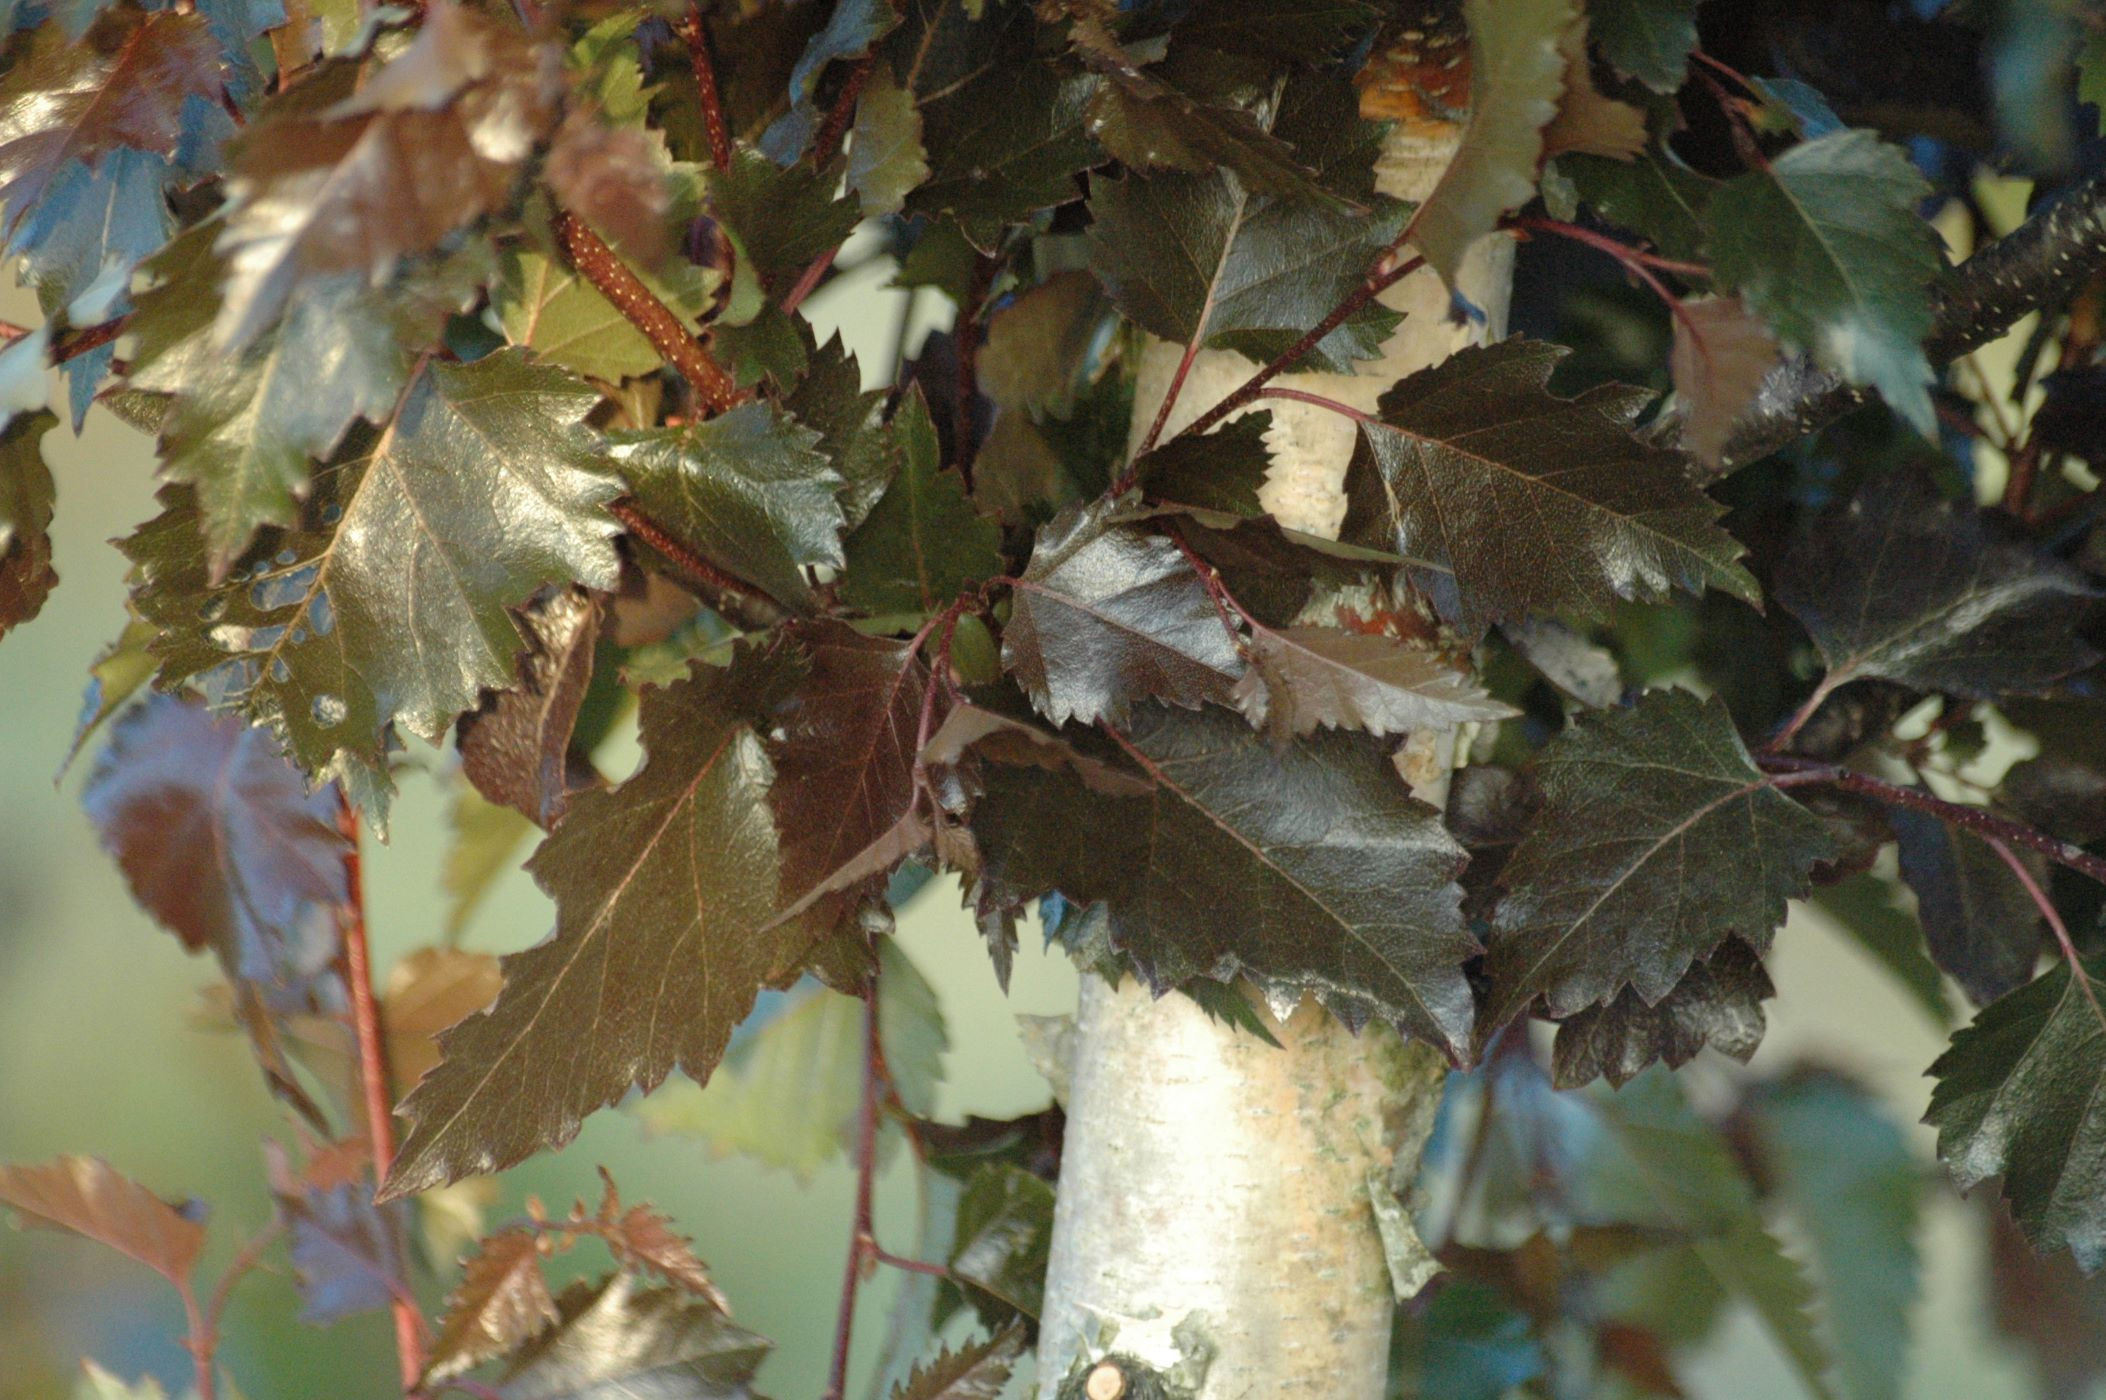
(715, 389)
(696, 32)
(2037, 263)
(732, 596)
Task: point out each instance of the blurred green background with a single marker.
(101, 1052)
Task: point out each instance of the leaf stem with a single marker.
(238, 1268)
(715, 389)
(1217, 591)
(808, 280)
(827, 144)
(373, 1071)
(1794, 772)
(1344, 410)
(199, 1340)
(861, 1244)
(911, 1266)
(1638, 264)
(1800, 716)
(1250, 389)
(2046, 907)
(696, 33)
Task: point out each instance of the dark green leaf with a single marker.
(1658, 841)
(516, 748)
(781, 216)
(1197, 258)
(923, 543)
(662, 885)
(2019, 1094)
(615, 1341)
(1306, 866)
(1469, 1344)
(1718, 1003)
(1147, 124)
(747, 489)
(1980, 923)
(1648, 39)
(1901, 585)
(1538, 504)
(1003, 128)
(1106, 615)
(1221, 471)
(1005, 1229)
(976, 1371)
(850, 421)
(1826, 245)
(27, 495)
(1517, 75)
(1303, 677)
(885, 156)
(1853, 1184)
(391, 603)
(1654, 196)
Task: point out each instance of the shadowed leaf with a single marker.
(1979, 922)
(516, 748)
(1307, 866)
(27, 495)
(345, 1249)
(1718, 1003)
(1648, 39)
(1901, 585)
(1658, 841)
(1200, 259)
(923, 542)
(1005, 1229)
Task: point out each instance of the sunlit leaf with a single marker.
(500, 1303)
(85, 1196)
(613, 1339)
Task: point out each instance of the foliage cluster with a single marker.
(472, 343)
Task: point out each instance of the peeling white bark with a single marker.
(1210, 1182)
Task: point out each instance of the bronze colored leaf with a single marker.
(516, 748)
(86, 1196)
(500, 1303)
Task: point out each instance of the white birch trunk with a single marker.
(1209, 1182)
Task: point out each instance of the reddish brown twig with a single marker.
(1250, 389)
(696, 33)
(373, 1071)
(715, 389)
(725, 592)
(827, 144)
(861, 1242)
(2047, 910)
(1796, 772)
